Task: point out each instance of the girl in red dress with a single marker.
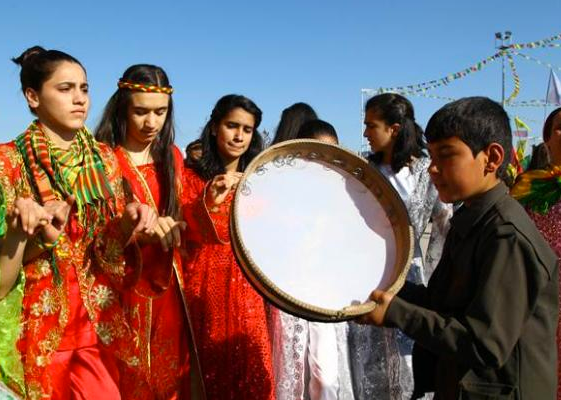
(74, 333)
(229, 317)
(138, 124)
(540, 191)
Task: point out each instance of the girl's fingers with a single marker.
(152, 222)
(161, 236)
(167, 242)
(169, 224)
(176, 232)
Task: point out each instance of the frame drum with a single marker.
(316, 229)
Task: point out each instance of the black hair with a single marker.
(539, 158)
(190, 159)
(548, 125)
(210, 163)
(316, 128)
(37, 66)
(112, 129)
(393, 108)
(476, 121)
(291, 120)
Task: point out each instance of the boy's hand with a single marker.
(376, 316)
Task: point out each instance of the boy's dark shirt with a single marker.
(487, 321)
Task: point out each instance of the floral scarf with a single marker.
(57, 173)
(538, 189)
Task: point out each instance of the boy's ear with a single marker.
(495, 155)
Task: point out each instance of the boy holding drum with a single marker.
(485, 325)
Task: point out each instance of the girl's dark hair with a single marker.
(393, 108)
(291, 120)
(539, 158)
(548, 125)
(210, 163)
(315, 128)
(37, 66)
(112, 129)
(192, 148)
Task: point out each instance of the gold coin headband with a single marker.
(142, 87)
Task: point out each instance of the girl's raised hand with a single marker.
(220, 186)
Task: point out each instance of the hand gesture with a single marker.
(138, 219)
(220, 186)
(60, 211)
(28, 216)
(169, 232)
(376, 316)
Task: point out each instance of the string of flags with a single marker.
(538, 43)
(540, 62)
(422, 89)
(435, 83)
(515, 78)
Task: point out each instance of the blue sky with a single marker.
(278, 53)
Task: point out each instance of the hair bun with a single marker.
(29, 55)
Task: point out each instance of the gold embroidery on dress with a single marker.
(42, 268)
(104, 331)
(34, 391)
(47, 304)
(102, 297)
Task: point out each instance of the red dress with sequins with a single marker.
(156, 309)
(74, 330)
(229, 317)
(550, 227)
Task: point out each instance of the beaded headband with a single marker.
(142, 87)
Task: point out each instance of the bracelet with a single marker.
(47, 246)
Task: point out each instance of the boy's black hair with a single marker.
(476, 121)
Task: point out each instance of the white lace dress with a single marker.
(310, 359)
(381, 357)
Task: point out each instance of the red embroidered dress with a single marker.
(71, 299)
(156, 306)
(540, 192)
(228, 316)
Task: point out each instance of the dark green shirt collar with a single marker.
(468, 216)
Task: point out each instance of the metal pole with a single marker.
(504, 38)
(503, 85)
